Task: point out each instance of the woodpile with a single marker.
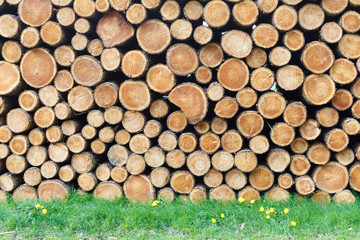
(195, 99)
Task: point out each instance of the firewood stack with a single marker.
(196, 99)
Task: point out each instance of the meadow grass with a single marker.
(81, 216)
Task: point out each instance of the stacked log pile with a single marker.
(196, 99)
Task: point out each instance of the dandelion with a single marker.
(267, 212)
(286, 210)
(267, 216)
(262, 209)
(213, 220)
(37, 206)
(293, 223)
(155, 203)
(271, 210)
(44, 211)
(42, 207)
(222, 215)
(252, 201)
(241, 199)
(282, 212)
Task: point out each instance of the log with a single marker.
(285, 181)
(202, 34)
(349, 21)
(63, 81)
(82, 26)
(108, 190)
(154, 157)
(235, 179)
(29, 100)
(70, 127)
(79, 42)
(84, 8)
(12, 51)
(202, 127)
(67, 173)
(336, 140)
(159, 108)
(271, 105)
(334, 8)
(95, 47)
(318, 153)
(38, 67)
(245, 13)
(167, 141)
(16, 164)
(83, 162)
(81, 98)
(231, 141)
(311, 16)
(262, 79)
(119, 5)
(193, 11)
(203, 75)
(211, 55)
(345, 196)
(49, 169)
(170, 10)
(119, 174)
(30, 37)
(51, 33)
(182, 182)
(342, 100)
(322, 197)
(9, 182)
(175, 159)
(166, 194)
(198, 163)
(347, 46)
(294, 40)
(343, 71)
(113, 115)
(277, 194)
(265, 35)
(222, 193)
(249, 193)
(345, 157)
(139, 189)
(278, 160)
(152, 129)
(310, 130)
(295, 114)
(282, 134)
(351, 126)
(19, 144)
(197, 194)
(32, 176)
(222, 161)
(327, 117)
(136, 14)
(63, 111)
(228, 44)
(246, 97)
(64, 56)
(107, 134)
(24, 192)
(216, 13)
(18, 120)
(284, 18)
(4, 152)
(134, 64)
(209, 142)
(187, 142)
(213, 178)
(49, 96)
(128, 89)
(193, 105)
(331, 177)
(259, 144)
(304, 185)
(354, 180)
(289, 77)
(226, 108)
(267, 6)
(5, 134)
(66, 17)
(87, 181)
(52, 189)
(160, 177)
(139, 143)
(233, 74)
(76, 143)
(215, 91)
(118, 155)
(160, 78)
(257, 58)
(135, 164)
(176, 121)
(88, 132)
(181, 29)
(218, 125)
(250, 123)
(331, 32)
(122, 137)
(44, 117)
(355, 109)
(36, 136)
(87, 71)
(261, 178)
(10, 79)
(97, 146)
(153, 36)
(317, 57)
(299, 165)
(110, 59)
(182, 59)
(34, 13)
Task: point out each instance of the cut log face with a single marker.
(87, 181)
(262, 79)
(348, 46)
(345, 196)
(18, 120)
(160, 78)
(354, 177)
(135, 164)
(182, 59)
(202, 35)
(342, 99)
(299, 165)
(182, 182)
(108, 190)
(216, 13)
(187, 142)
(250, 123)
(67, 173)
(257, 58)
(226, 107)
(261, 178)
(198, 163)
(117, 155)
(209, 142)
(166, 194)
(304, 185)
(136, 13)
(34, 13)
(246, 97)
(87, 71)
(294, 40)
(11, 51)
(176, 121)
(134, 95)
(30, 37)
(213, 178)
(197, 194)
(343, 71)
(153, 36)
(271, 105)
(133, 122)
(245, 13)
(295, 114)
(231, 141)
(193, 10)
(285, 181)
(331, 177)
(322, 197)
(222, 193)
(134, 64)
(119, 174)
(114, 30)
(32, 176)
(318, 89)
(154, 157)
(350, 21)
(233, 74)
(282, 134)
(265, 35)
(24, 192)
(334, 8)
(267, 6)
(229, 43)
(278, 160)
(192, 101)
(249, 193)
(318, 153)
(52, 189)
(327, 117)
(317, 57)
(284, 18)
(336, 140)
(159, 177)
(311, 16)
(9, 78)
(175, 159)
(277, 194)
(211, 55)
(38, 67)
(235, 179)
(331, 32)
(290, 77)
(259, 144)
(345, 157)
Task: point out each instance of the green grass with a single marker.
(85, 217)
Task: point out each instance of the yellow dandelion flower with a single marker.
(286, 210)
(262, 209)
(213, 220)
(155, 203)
(271, 210)
(252, 201)
(267, 216)
(222, 215)
(267, 212)
(37, 206)
(293, 223)
(42, 207)
(44, 211)
(281, 212)
(241, 199)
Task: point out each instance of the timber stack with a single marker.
(192, 99)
